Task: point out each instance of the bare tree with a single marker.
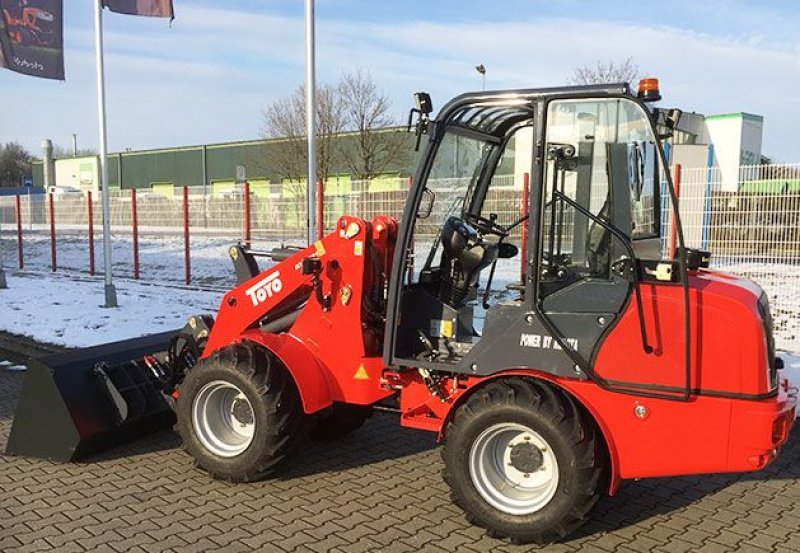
(606, 72)
(285, 119)
(369, 115)
(15, 164)
(354, 104)
(60, 152)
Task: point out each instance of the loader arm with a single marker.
(321, 312)
(277, 292)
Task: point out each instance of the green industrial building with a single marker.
(213, 167)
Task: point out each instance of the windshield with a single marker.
(455, 171)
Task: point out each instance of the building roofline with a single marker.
(737, 115)
(218, 145)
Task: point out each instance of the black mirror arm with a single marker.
(488, 289)
(515, 224)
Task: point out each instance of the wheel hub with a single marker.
(223, 419)
(241, 411)
(514, 468)
(526, 457)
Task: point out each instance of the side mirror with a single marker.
(635, 170)
(423, 108)
(426, 205)
(673, 118)
(506, 250)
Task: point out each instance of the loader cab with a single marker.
(458, 301)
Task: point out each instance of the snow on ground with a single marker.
(65, 310)
(781, 283)
(11, 366)
(161, 258)
(791, 367)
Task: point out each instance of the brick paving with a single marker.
(379, 489)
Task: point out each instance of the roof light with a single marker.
(648, 90)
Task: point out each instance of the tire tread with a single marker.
(569, 418)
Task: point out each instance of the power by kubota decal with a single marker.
(32, 37)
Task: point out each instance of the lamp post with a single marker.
(482, 70)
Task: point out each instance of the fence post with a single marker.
(19, 233)
(90, 210)
(52, 233)
(320, 209)
(707, 199)
(187, 258)
(411, 244)
(523, 260)
(135, 230)
(673, 231)
(247, 230)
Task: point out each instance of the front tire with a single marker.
(523, 461)
(239, 413)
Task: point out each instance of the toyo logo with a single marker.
(265, 288)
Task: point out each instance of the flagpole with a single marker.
(311, 126)
(111, 293)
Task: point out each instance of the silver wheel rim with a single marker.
(500, 482)
(223, 419)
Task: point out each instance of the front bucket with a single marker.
(80, 402)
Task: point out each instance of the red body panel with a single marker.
(704, 435)
(729, 352)
(332, 354)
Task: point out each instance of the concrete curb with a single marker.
(21, 348)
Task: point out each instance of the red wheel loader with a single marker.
(608, 361)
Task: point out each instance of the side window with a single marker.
(601, 160)
(644, 181)
(458, 164)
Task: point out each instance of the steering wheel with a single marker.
(485, 226)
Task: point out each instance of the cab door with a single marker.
(600, 215)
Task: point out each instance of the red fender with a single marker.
(613, 455)
(436, 414)
(308, 373)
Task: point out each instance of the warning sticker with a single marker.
(361, 373)
(442, 328)
(358, 248)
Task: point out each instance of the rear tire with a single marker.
(239, 413)
(523, 461)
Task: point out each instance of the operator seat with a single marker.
(464, 254)
(598, 246)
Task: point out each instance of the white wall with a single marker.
(78, 172)
(752, 132)
(737, 140)
(523, 154)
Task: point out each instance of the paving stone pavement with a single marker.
(379, 489)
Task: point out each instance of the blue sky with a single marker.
(208, 77)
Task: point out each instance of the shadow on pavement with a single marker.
(380, 439)
(637, 501)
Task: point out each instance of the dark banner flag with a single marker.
(32, 37)
(152, 8)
